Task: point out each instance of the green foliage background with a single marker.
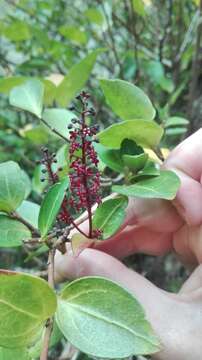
(153, 44)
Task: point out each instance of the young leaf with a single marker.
(58, 119)
(79, 243)
(129, 147)
(29, 211)
(26, 302)
(144, 133)
(176, 121)
(17, 354)
(51, 205)
(104, 320)
(127, 100)
(164, 186)
(28, 96)
(12, 186)
(111, 157)
(135, 162)
(12, 232)
(109, 216)
(76, 78)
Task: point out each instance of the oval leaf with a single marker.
(12, 232)
(28, 96)
(76, 78)
(127, 100)
(30, 212)
(135, 162)
(25, 303)
(176, 121)
(51, 205)
(110, 215)
(17, 354)
(79, 242)
(104, 320)
(58, 119)
(164, 186)
(145, 133)
(111, 157)
(12, 186)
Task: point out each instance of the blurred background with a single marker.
(155, 44)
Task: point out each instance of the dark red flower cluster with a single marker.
(84, 174)
(84, 190)
(47, 160)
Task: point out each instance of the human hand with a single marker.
(156, 227)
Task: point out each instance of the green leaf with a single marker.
(129, 147)
(51, 205)
(139, 7)
(12, 190)
(37, 185)
(111, 157)
(135, 162)
(27, 183)
(155, 71)
(37, 135)
(104, 320)
(28, 96)
(7, 83)
(74, 34)
(76, 78)
(110, 215)
(17, 354)
(144, 133)
(30, 212)
(164, 186)
(94, 16)
(17, 31)
(176, 121)
(175, 131)
(58, 119)
(151, 169)
(127, 100)
(12, 232)
(26, 302)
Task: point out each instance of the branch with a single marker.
(54, 130)
(49, 324)
(16, 216)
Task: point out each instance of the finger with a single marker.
(156, 214)
(186, 161)
(96, 263)
(187, 242)
(194, 282)
(136, 240)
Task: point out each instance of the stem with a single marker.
(16, 216)
(49, 325)
(54, 130)
(85, 182)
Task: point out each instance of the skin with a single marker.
(157, 227)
